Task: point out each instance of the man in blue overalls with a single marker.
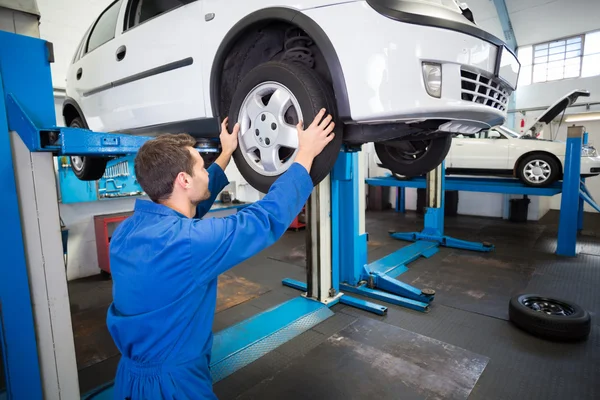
(165, 260)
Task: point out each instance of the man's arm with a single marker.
(216, 172)
(217, 180)
(218, 244)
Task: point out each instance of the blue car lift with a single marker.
(572, 187)
(350, 272)
(31, 345)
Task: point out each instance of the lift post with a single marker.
(433, 230)
(349, 268)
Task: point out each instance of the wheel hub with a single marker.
(266, 129)
(268, 138)
(537, 171)
(548, 306)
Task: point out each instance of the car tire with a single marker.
(550, 318)
(86, 168)
(538, 165)
(413, 158)
(309, 93)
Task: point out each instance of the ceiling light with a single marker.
(592, 116)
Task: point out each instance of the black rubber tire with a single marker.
(93, 167)
(312, 95)
(573, 327)
(555, 170)
(436, 153)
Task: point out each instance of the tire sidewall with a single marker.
(310, 104)
(572, 327)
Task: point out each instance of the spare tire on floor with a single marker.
(550, 318)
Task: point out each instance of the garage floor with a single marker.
(464, 347)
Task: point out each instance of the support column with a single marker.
(318, 245)
(569, 205)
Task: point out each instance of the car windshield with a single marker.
(508, 132)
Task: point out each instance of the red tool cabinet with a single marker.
(104, 226)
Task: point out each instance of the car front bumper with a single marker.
(382, 67)
(590, 165)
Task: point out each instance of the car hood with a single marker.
(554, 110)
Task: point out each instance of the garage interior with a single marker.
(464, 346)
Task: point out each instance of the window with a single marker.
(104, 29)
(140, 11)
(574, 57)
(557, 60)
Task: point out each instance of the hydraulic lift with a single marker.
(36, 331)
(572, 187)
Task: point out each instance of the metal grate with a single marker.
(484, 90)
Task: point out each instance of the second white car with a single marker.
(501, 151)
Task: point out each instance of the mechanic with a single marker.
(165, 259)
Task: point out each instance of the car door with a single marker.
(92, 73)
(484, 150)
(158, 63)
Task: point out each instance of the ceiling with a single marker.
(536, 21)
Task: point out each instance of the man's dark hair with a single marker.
(160, 160)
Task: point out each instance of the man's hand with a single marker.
(313, 140)
(229, 142)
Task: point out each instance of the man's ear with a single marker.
(183, 180)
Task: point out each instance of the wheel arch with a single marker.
(293, 17)
(553, 156)
(71, 110)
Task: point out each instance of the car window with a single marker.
(492, 134)
(467, 135)
(79, 51)
(104, 28)
(139, 11)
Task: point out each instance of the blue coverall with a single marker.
(165, 268)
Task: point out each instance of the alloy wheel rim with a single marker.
(548, 306)
(537, 171)
(268, 137)
(77, 163)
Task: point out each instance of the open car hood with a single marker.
(554, 110)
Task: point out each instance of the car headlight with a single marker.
(432, 75)
(588, 152)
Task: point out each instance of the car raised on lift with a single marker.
(402, 74)
(503, 152)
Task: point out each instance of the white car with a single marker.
(402, 74)
(501, 151)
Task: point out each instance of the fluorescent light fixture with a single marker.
(591, 116)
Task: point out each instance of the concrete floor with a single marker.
(470, 314)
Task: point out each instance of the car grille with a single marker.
(484, 90)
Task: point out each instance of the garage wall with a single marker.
(64, 22)
(486, 16)
(536, 21)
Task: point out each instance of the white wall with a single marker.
(486, 16)
(536, 21)
(64, 22)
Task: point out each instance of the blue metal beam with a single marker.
(509, 33)
(20, 57)
(345, 299)
(481, 185)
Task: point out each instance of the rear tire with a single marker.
(86, 168)
(413, 158)
(538, 170)
(311, 94)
